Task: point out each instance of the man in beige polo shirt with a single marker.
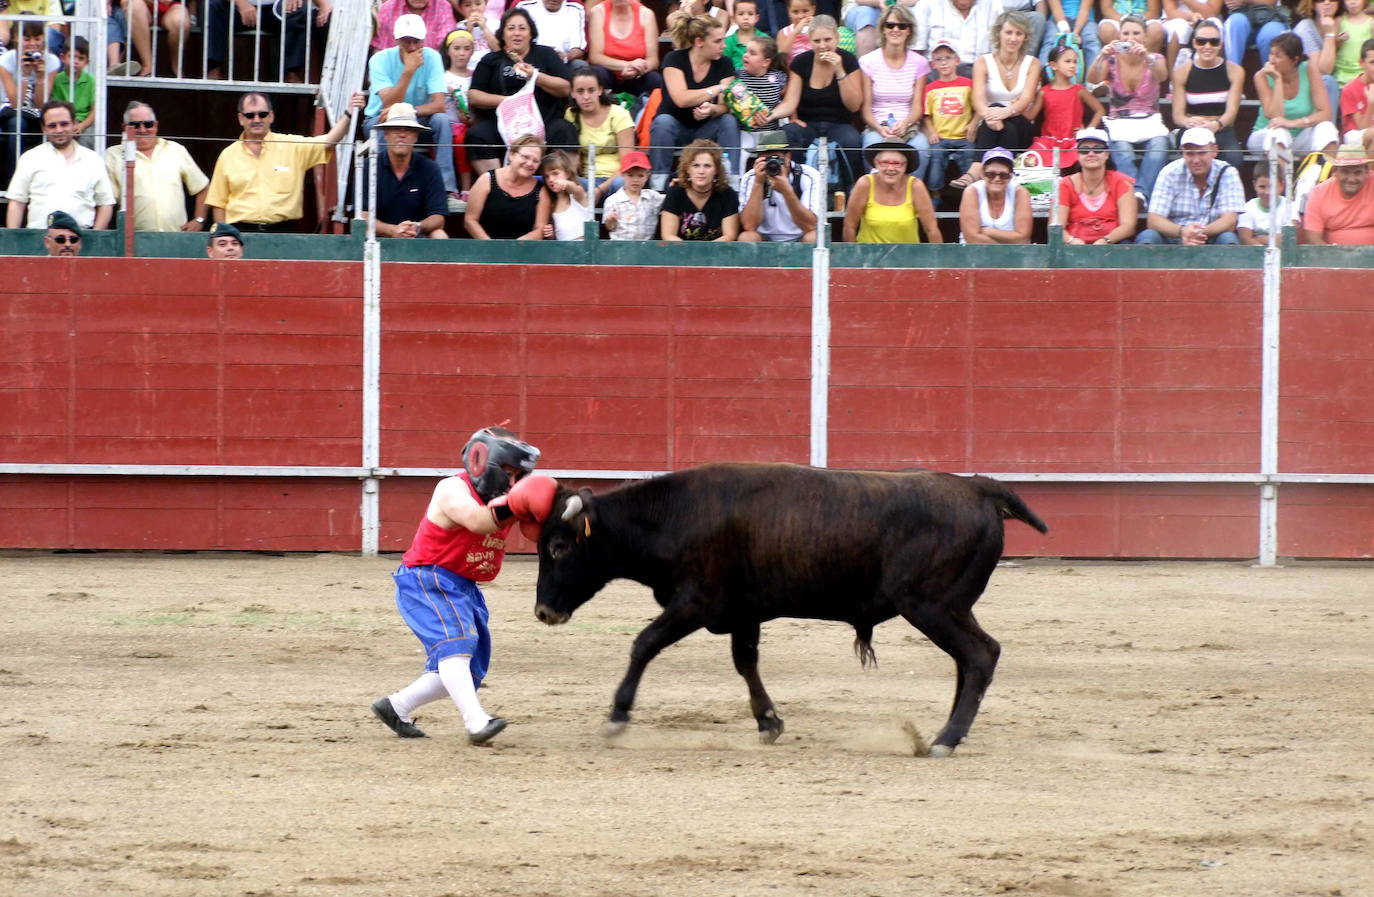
(163, 174)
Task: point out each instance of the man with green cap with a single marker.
(781, 201)
(225, 241)
(63, 236)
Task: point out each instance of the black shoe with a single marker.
(387, 714)
(488, 732)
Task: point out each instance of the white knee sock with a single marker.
(427, 688)
(457, 675)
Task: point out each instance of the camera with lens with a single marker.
(33, 56)
(772, 166)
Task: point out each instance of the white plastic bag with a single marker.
(518, 114)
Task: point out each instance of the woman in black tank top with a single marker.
(510, 203)
(1207, 92)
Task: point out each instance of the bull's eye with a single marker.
(558, 549)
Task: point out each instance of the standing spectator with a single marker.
(266, 16)
(239, 192)
(1182, 18)
(1357, 100)
(1197, 199)
(1097, 206)
(1340, 211)
(622, 45)
(1208, 89)
(436, 14)
(561, 26)
(894, 83)
(887, 203)
(1253, 226)
(63, 237)
(26, 82)
(1115, 12)
(695, 78)
(503, 74)
(824, 90)
(1005, 84)
(1133, 75)
(163, 174)
(75, 85)
(949, 121)
(631, 213)
(1253, 22)
(59, 175)
(603, 123)
(412, 73)
(784, 201)
(1354, 27)
(569, 210)
(225, 242)
(510, 203)
(1294, 107)
(410, 189)
(995, 209)
(701, 205)
(966, 25)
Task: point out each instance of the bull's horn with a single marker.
(574, 507)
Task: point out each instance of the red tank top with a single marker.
(626, 48)
(476, 556)
(1063, 111)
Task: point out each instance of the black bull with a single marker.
(729, 546)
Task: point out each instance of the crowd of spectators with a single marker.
(534, 117)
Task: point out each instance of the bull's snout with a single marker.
(549, 616)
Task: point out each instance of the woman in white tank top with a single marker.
(995, 209)
(1005, 83)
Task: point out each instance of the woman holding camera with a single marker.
(26, 77)
(1133, 75)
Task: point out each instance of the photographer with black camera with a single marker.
(27, 73)
(783, 201)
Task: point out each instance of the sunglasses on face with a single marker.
(63, 240)
(897, 26)
(252, 115)
(1207, 41)
(1085, 150)
(997, 175)
(141, 125)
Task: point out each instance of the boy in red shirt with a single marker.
(1357, 101)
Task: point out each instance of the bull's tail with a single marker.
(863, 646)
(1009, 504)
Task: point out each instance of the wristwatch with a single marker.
(199, 220)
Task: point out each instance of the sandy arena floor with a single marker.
(199, 725)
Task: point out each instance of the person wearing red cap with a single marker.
(631, 213)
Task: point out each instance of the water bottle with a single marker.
(890, 122)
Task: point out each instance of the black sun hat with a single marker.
(913, 158)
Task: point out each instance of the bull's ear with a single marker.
(588, 510)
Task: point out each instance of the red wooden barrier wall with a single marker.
(176, 362)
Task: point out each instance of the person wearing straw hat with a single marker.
(886, 204)
(1340, 211)
(782, 200)
(63, 236)
(411, 201)
(225, 242)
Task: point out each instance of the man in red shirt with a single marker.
(461, 541)
(1341, 210)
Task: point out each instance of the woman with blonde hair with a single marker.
(1005, 83)
(695, 78)
(894, 81)
(701, 205)
(824, 90)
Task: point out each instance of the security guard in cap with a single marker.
(225, 242)
(63, 236)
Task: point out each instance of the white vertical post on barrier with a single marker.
(372, 350)
(820, 324)
(1269, 368)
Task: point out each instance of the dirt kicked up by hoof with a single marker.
(611, 729)
(919, 747)
(939, 750)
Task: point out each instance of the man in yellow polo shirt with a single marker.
(257, 184)
(163, 174)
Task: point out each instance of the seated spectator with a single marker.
(894, 83)
(267, 16)
(949, 121)
(603, 123)
(1357, 101)
(700, 206)
(631, 213)
(995, 209)
(26, 82)
(1097, 206)
(1253, 226)
(1181, 19)
(1114, 12)
(864, 18)
(59, 175)
(437, 16)
(75, 85)
(130, 21)
(1320, 36)
(824, 90)
(1075, 24)
(1208, 89)
(561, 25)
(411, 200)
(171, 16)
(1341, 211)
(762, 75)
(63, 237)
(1253, 22)
(164, 173)
(503, 74)
(795, 38)
(569, 209)
(622, 46)
(1353, 28)
(412, 73)
(225, 242)
(1140, 139)
(1197, 199)
(56, 40)
(510, 203)
(783, 200)
(886, 205)
(745, 19)
(1005, 83)
(966, 25)
(1063, 100)
(1294, 107)
(695, 80)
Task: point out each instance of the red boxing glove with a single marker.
(531, 531)
(531, 499)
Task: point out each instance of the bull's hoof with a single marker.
(940, 750)
(611, 728)
(770, 728)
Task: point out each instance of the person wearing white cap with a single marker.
(1197, 199)
(412, 73)
(1097, 206)
(1340, 211)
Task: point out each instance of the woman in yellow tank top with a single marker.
(885, 207)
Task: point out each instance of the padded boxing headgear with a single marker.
(489, 452)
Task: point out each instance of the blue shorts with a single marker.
(448, 615)
(860, 17)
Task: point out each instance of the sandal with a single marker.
(962, 181)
